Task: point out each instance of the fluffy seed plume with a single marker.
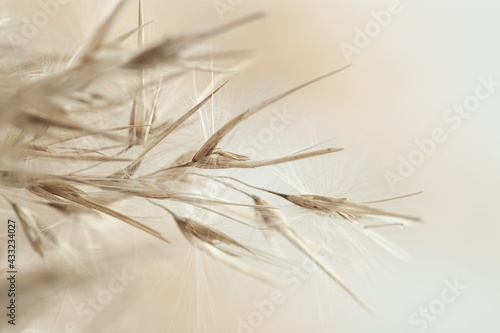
(96, 128)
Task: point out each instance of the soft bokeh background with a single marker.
(428, 58)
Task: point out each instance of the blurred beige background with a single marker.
(429, 57)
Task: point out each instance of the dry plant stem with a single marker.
(169, 48)
(268, 216)
(214, 140)
(132, 167)
(393, 198)
(39, 239)
(278, 221)
(328, 205)
(205, 239)
(38, 125)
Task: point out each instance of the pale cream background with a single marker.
(397, 90)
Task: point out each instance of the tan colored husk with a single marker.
(38, 124)
(40, 240)
(275, 219)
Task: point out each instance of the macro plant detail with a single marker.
(83, 132)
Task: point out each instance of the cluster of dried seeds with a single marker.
(38, 124)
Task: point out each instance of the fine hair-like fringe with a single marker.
(45, 119)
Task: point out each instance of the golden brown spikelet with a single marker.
(133, 153)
